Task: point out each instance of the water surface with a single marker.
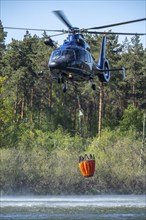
(101, 207)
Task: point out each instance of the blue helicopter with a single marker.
(73, 60)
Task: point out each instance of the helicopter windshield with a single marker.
(69, 54)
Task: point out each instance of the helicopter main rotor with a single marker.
(74, 30)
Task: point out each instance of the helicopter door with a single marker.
(80, 59)
(87, 61)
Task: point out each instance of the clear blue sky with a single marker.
(80, 13)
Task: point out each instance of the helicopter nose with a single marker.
(57, 64)
(53, 64)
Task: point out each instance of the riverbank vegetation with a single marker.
(43, 131)
(47, 163)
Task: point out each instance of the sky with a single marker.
(80, 13)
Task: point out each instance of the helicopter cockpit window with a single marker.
(80, 55)
(69, 54)
(56, 54)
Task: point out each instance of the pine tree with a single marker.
(135, 72)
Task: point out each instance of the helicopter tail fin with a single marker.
(101, 59)
(103, 64)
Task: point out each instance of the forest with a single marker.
(43, 132)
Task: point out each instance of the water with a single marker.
(101, 207)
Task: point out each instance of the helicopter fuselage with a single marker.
(73, 60)
(72, 63)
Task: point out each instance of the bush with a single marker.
(50, 166)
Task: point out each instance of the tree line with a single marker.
(43, 133)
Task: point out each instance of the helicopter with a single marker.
(73, 61)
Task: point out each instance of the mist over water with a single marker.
(101, 207)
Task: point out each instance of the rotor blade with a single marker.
(54, 35)
(112, 33)
(62, 17)
(117, 24)
(33, 29)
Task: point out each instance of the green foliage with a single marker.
(6, 111)
(119, 165)
(132, 119)
(118, 162)
(2, 42)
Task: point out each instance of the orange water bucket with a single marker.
(87, 165)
